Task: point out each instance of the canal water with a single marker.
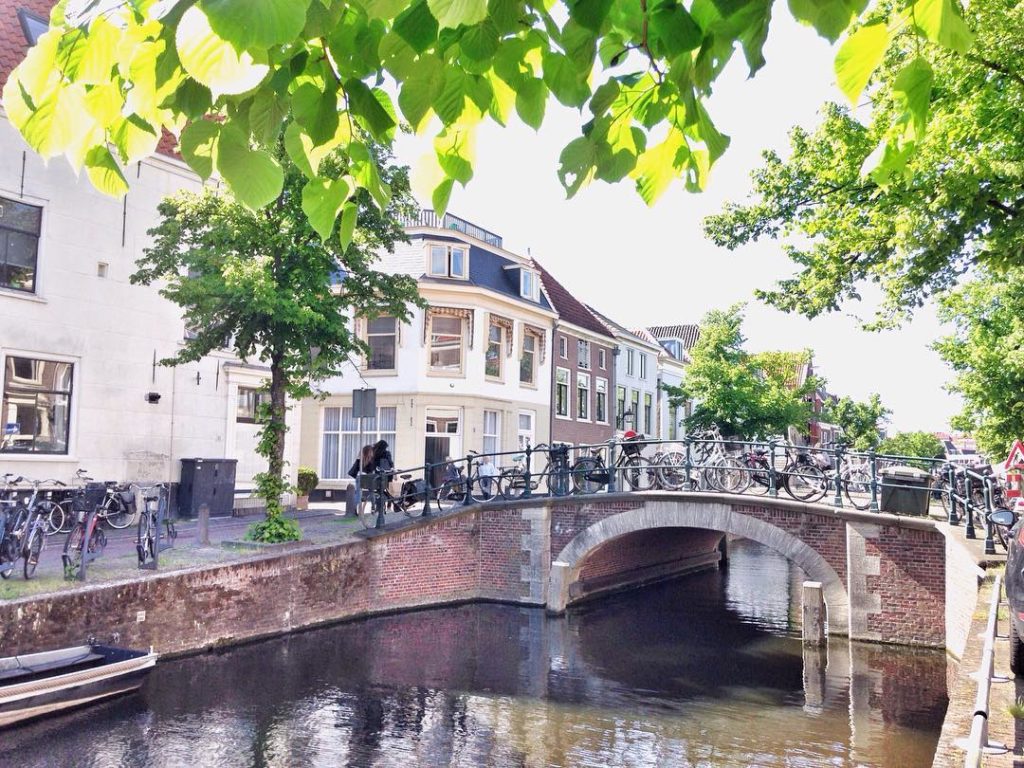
(707, 670)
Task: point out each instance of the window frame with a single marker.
(495, 436)
(648, 413)
(259, 396)
(370, 436)
(620, 404)
(635, 405)
(630, 361)
(532, 383)
(583, 354)
(529, 284)
(568, 393)
(643, 366)
(563, 347)
(448, 272)
(435, 371)
(583, 397)
(394, 336)
(72, 403)
(602, 360)
(38, 235)
(531, 433)
(500, 375)
(600, 400)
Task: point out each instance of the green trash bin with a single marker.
(905, 490)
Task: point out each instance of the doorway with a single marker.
(443, 439)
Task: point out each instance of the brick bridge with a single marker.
(885, 578)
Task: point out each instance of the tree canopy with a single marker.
(745, 395)
(922, 444)
(264, 284)
(928, 187)
(231, 76)
(861, 421)
(986, 352)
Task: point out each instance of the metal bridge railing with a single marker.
(977, 744)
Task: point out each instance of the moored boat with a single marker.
(37, 684)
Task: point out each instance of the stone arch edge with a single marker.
(687, 514)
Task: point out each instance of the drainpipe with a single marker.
(551, 386)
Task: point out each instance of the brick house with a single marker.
(583, 370)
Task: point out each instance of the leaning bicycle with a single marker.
(86, 540)
(154, 511)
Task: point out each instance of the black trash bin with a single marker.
(207, 481)
(905, 490)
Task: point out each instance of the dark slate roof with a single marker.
(486, 270)
(568, 307)
(687, 333)
(613, 327)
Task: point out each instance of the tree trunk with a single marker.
(278, 413)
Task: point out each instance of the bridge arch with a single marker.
(565, 567)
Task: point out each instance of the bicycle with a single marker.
(36, 526)
(8, 544)
(154, 505)
(556, 473)
(591, 473)
(480, 487)
(86, 540)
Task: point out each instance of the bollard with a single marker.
(954, 519)
(815, 665)
(990, 544)
(428, 491)
(378, 497)
(838, 467)
(813, 614)
(689, 464)
(873, 460)
(467, 497)
(203, 530)
(773, 475)
(612, 482)
(528, 490)
(969, 531)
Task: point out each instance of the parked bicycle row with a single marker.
(33, 510)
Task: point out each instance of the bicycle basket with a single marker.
(631, 445)
(89, 497)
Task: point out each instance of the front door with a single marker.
(443, 441)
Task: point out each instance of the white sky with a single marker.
(653, 266)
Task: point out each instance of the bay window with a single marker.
(494, 353)
(528, 360)
(382, 337)
(446, 334)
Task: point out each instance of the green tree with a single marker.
(887, 202)
(861, 421)
(986, 351)
(268, 286)
(108, 78)
(923, 444)
(745, 395)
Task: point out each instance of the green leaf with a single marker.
(941, 22)
(100, 54)
(365, 171)
(104, 172)
(192, 99)
(104, 103)
(660, 165)
(506, 14)
(531, 99)
(256, 24)
(322, 200)
(675, 29)
(564, 81)
(254, 176)
(440, 196)
(451, 102)
(135, 138)
(452, 13)
(706, 131)
(349, 215)
(913, 85)
(417, 26)
(829, 17)
(423, 85)
(198, 145)
(316, 111)
(576, 164)
(480, 42)
(604, 97)
(858, 58)
(591, 13)
(384, 9)
(266, 114)
(58, 115)
(363, 103)
(454, 148)
(212, 60)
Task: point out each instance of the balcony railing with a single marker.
(427, 218)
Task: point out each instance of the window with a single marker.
(341, 444)
(648, 411)
(643, 366)
(674, 348)
(583, 354)
(446, 343)
(449, 261)
(600, 359)
(529, 287)
(620, 404)
(32, 25)
(382, 336)
(630, 362)
(561, 392)
(492, 432)
(494, 355)
(528, 360)
(635, 420)
(583, 396)
(249, 401)
(563, 347)
(601, 403)
(673, 423)
(36, 411)
(525, 434)
(19, 244)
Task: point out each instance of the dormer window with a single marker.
(449, 261)
(529, 285)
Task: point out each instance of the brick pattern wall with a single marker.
(642, 550)
(571, 430)
(503, 556)
(569, 519)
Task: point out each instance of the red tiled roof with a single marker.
(568, 307)
(14, 46)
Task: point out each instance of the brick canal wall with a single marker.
(885, 579)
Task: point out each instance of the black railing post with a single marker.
(428, 490)
(688, 465)
(773, 476)
(968, 502)
(838, 465)
(378, 498)
(954, 518)
(528, 490)
(990, 544)
(612, 480)
(873, 460)
(467, 497)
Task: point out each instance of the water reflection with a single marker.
(704, 671)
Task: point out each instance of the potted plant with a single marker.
(307, 482)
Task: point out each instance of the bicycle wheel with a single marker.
(559, 482)
(144, 545)
(33, 547)
(639, 474)
(583, 475)
(513, 484)
(73, 551)
(728, 475)
(857, 487)
(806, 482)
(56, 519)
(116, 512)
(671, 471)
(484, 488)
(8, 553)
